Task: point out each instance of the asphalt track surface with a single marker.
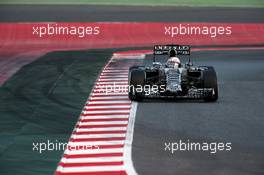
(93, 13)
(237, 117)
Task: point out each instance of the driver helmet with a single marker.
(172, 53)
(173, 59)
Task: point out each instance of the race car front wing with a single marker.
(193, 93)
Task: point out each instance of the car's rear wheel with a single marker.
(210, 81)
(136, 80)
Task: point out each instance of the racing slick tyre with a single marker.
(210, 81)
(136, 78)
(135, 67)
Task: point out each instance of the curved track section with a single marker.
(237, 117)
(102, 138)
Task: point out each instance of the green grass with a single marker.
(221, 3)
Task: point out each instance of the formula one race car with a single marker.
(172, 79)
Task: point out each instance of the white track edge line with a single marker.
(128, 162)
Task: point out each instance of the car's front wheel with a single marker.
(136, 79)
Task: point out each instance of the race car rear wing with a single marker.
(164, 49)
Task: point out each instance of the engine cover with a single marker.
(173, 80)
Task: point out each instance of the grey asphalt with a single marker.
(95, 13)
(237, 117)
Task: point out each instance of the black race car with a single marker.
(164, 80)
